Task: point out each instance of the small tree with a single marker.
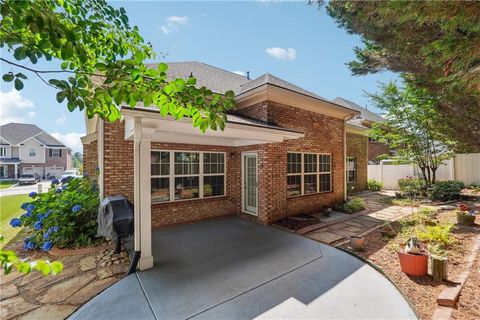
(411, 128)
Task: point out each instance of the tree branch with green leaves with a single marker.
(103, 57)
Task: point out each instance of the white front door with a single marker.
(250, 185)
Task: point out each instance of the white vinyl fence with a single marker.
(464, 167)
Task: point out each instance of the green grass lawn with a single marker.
(10, 208)
(6, 184)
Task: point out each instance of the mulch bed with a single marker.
(297, 222)
(423, 291)
(469, 305)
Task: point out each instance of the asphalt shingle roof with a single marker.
(365, 114)
(16, 133)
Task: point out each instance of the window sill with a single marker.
(186, 200)
(310, 194)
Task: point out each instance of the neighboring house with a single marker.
(25, 148)
(282, 152)
(358, 143)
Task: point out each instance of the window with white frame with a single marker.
(3, 152)
(308, 173)
(181, 175)
(32, 152)
(351, 169)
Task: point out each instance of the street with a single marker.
(25, 189)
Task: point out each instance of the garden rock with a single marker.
(88, 263)
(103, 273)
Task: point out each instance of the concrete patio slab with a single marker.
(235, 269)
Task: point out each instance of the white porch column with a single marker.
(16, 171)
(142, 196)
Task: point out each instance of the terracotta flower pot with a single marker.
(413, 265)
(389, 233)
(465, 219)
(356, 243)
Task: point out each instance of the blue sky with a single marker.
(292, 40)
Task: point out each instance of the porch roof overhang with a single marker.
(238, 131)
(9, 160)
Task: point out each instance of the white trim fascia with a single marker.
(89, 138)
(32, 137)
(168, 120)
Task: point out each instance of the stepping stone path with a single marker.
(34, 296)
(378, 213)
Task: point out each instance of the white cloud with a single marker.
(173, 23)
(15, 108)
(71, 140)
(239, 72)
(61, 120)
(178, 19)
(288, 54)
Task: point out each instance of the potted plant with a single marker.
(388, 231)
(207, 190)
(357, 242)
(412, 261)
(438, 262)
(465, 215)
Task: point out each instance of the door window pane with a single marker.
(160, 190)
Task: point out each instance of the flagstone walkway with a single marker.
(52, 297)
(377, 214)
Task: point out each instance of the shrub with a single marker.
(437, 235)
(353, 206)
(412, 187)
(446, 190)
(65, 216)
(374, 185)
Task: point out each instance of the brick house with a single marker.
(361, 150)
(283, 152)
(25, 148)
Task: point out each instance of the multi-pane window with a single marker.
(32, 152)
(308, 173)
(213, 174)
(55, 153)
(3, 151)
(351, 169)
(160, 171)
(187, 175)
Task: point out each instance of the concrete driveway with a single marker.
(25, 189)
(235, 269)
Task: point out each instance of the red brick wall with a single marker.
(57, 161)
(323, 134)
(90, 158)
(357, 148)
(118, 161)
(375, 149)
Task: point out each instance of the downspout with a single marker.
(345, 155)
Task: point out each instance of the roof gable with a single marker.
(17, 133)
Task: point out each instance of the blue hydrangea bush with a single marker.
(65, 216)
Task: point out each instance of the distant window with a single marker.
(351, 169)
(32, 152)
(3, 151)
(55, 153)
